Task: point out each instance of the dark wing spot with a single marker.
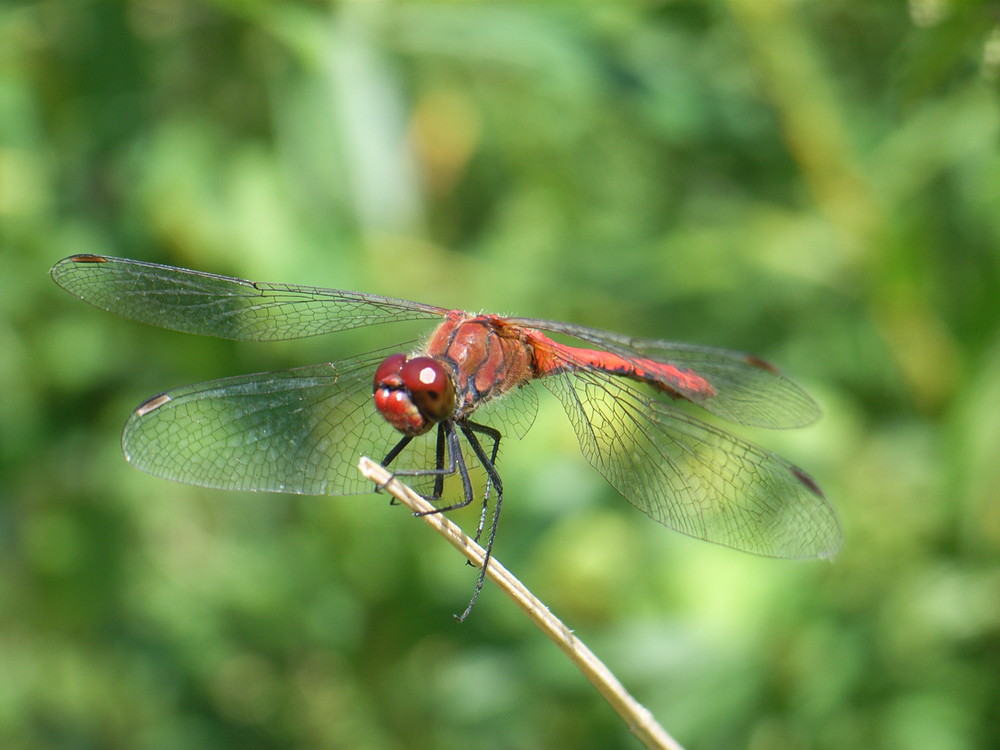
(88, 259)
(808, 481)
(758, 362)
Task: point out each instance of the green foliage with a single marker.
(815, 182)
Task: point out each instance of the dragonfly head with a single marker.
(413, 394)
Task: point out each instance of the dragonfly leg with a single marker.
(439, 462)
(469, 429)
(457, 465)
(440, 471)
(492, 476)
(447, 442)
(396, 450)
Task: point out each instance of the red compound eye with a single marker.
(429, 386)
(387, 373)
(423, 374)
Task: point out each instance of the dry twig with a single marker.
(638, 719)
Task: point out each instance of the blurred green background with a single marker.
(816, 182)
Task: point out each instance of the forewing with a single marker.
(745, 389)
(223, 306)
(692, 477)
(299, 431)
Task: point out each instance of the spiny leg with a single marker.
(390, 456)
(439, 450)
(448, 438)
(445, 437)
(469, 429)
(396, 450)
(457, 460)
(490, 467)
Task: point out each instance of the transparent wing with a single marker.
(299, 431)
(692, 477)
(223, 306)
(512, 414)
(747, 390)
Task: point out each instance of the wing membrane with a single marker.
(299, 431)
(692, 477)
(224, 306)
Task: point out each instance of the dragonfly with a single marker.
(439, 409)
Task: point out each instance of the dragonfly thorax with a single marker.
(413, 394)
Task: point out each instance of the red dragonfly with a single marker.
(303, 430)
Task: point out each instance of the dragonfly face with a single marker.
(414, 394)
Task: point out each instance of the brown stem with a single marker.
(638, 719)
